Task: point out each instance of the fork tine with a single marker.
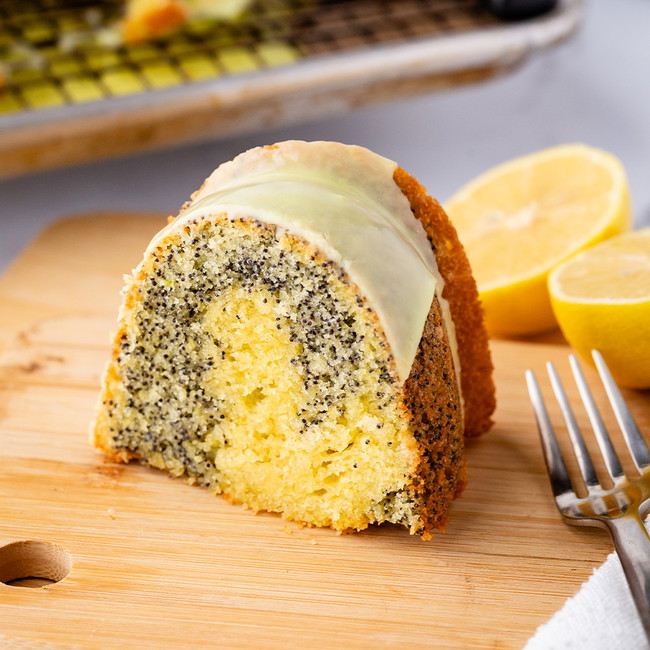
(612, 461)
(637, 446)
(582, 454)
(557, 471)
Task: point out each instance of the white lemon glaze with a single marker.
(342, 199)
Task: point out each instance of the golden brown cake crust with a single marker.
(462, 295)
(436, 422)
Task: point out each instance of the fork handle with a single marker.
(632, 543)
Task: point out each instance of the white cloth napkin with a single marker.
(600, 616)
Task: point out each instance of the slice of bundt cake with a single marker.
(299, 341)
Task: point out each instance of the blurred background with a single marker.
(444, 109)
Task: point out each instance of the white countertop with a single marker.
(593, 89)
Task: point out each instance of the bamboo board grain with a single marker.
(158, 563)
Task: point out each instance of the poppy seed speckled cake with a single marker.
(304, 338)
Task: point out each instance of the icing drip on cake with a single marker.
(343, 200)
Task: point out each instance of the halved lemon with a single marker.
(520, 219)
(601, 298)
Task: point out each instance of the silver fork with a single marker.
(617, 509)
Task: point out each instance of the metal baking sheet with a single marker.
(72, 92)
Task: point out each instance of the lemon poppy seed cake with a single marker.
(304, 338)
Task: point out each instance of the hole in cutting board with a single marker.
(33, 563)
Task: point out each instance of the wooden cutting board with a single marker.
(157, 563)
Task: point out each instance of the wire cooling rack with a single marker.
(72, 90)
